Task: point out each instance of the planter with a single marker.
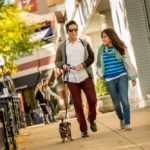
(104, 104)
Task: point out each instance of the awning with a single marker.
(47, 74)
(41, 34)
(32, 79)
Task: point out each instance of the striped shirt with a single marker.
(112, 67)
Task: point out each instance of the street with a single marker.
(108, 136)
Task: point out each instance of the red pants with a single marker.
(88, 88)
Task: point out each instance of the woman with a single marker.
(111, 68)
(43, 103)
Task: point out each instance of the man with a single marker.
(75, 56)
(48, 92)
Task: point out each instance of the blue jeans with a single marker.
(52, 109)
(118, 90)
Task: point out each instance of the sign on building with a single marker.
(29, 5)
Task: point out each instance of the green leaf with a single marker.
(101, 88)
(14, 35)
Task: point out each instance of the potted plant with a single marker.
(104, 100)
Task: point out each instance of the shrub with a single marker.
(101, 88)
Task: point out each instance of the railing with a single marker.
(12, 119)
(51, 39)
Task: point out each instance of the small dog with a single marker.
(65, 130)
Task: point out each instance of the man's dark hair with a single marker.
(72, 22)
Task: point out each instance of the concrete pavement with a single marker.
(108, 136)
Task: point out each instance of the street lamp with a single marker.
(2, 63)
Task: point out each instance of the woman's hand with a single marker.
(133, 82)
(102, 78)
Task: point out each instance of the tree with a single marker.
(1, 3)
(14, 36)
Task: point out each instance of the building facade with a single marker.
(33, 68)
(130, 19)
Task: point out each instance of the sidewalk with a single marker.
(108, 136)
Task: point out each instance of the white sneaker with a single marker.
(122, 124)
(127, 127)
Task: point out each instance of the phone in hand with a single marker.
(72, 67)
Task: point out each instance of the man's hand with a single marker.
(79, 67)
(133, 82)
(65, 67)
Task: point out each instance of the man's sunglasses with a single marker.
(71, 30)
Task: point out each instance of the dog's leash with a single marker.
(66, 107)
(66, 103)
(67, 78)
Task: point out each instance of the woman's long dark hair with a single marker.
(116, 41)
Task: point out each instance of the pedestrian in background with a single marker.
(75, 57)
(40, 96)
(28, 111)
(48, 92)
(112, 69)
